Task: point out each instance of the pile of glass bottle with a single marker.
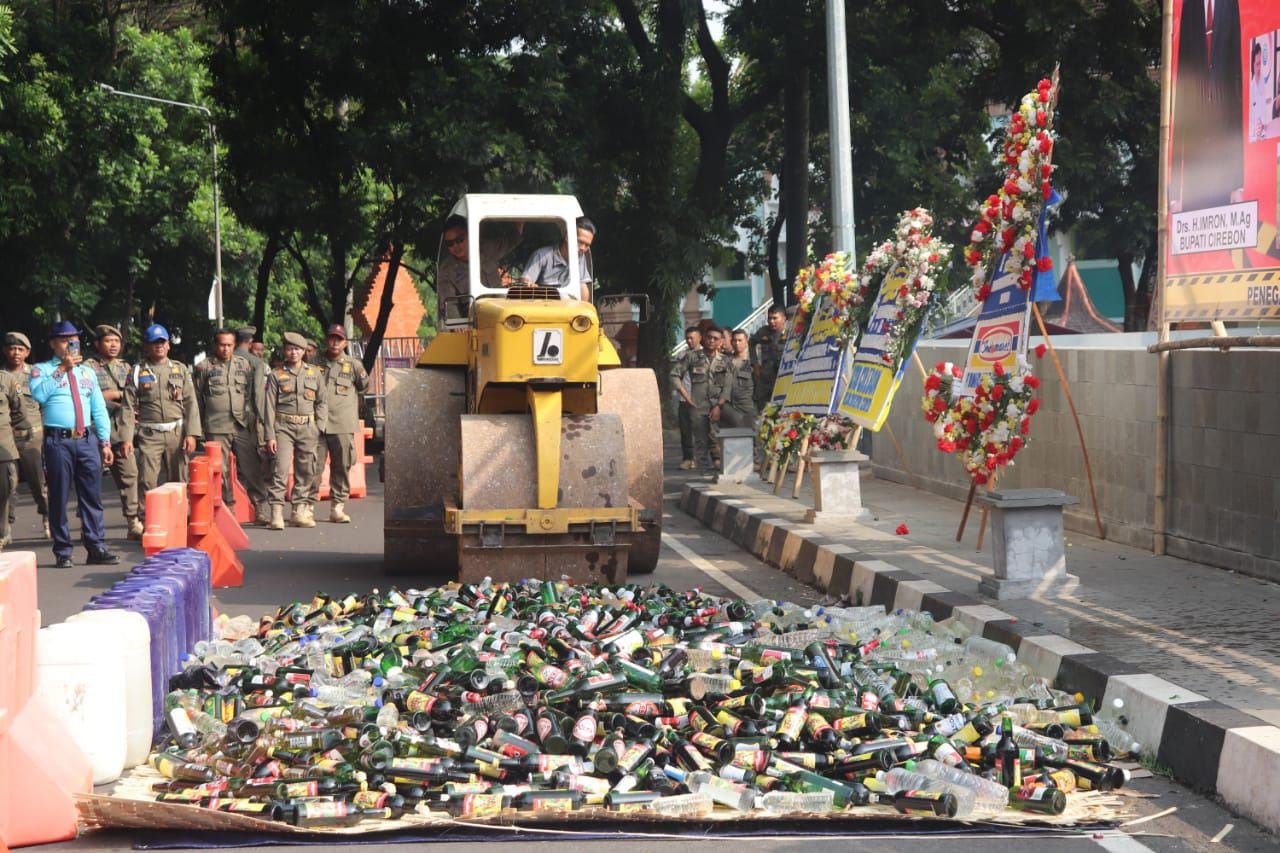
(473, 700)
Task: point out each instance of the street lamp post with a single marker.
(842, 232)
(217, 211)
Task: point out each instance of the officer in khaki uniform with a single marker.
(12, 417)
(254, 471)
(160, 391)
(700, 366)
(735, 387)
(296, 401)
(30, 441)
(229, 406)
(113, 375)
(345, 383)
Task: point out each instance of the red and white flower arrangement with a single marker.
(1008, 219)
(989, 428)
(835, 279)
(918, 253)
(784, 434)
(834, 432)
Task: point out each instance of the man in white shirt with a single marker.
(550, 264)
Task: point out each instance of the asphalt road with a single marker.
(283, 566)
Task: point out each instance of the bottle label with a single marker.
(481, 805)
(633, 755)
(369, 799)
(584, 728)
(729, 721)
(552, 804)
(417, 701)
(301, 789)
(643, 709)
(792, 723)
(333, 809)
(552, 676)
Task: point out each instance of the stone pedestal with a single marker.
(837, 489)
(1028, 553)
(737, 445)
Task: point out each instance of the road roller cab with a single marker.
(519, 447)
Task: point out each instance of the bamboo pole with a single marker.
(968, 503)
(800, 466)
(982, 522)
(915, 357)
(1159, 521)
(902, 457)
(1066, 389)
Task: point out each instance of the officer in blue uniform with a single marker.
(77, 444)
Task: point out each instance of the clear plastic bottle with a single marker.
(726, 793)
(991, 650)
(795, 802)
(684, 805)
(1119, 739)
(712, 684)
(388, 716)
(990, 795)
(902, 779)
(1052, 747)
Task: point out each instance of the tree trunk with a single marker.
(269, 253)
(795, 141)
(1124, 262)
(337, 283)
(385, 304)
(777, 286)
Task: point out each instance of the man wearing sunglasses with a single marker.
(452, 278)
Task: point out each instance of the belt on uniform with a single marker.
(59, 432)
(167, 427)
(296, 420)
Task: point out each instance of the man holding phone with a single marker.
(77, 444)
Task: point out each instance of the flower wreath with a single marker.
(989, 428)
(915, 250)
(834, 278)
(834, 432)
(787, 433)
(1008, 219)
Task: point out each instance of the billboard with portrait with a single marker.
(1222, 252)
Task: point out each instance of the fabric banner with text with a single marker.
(1000, 335)
(820, 370)
(1222, 252)
(873, 381)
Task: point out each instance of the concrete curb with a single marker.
(1208, 746)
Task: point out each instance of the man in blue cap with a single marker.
(161, 392)
(77, 444)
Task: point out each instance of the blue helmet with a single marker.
(155, 332)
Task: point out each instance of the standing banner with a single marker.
(1000, 335)
(820, 366)
(786, 365)
(873, 381)
(1221, 252)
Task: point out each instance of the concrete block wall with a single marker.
(1224, 469)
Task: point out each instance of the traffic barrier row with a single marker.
(203, 530)
(41, 767)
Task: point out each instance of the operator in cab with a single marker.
(452, 278)
(550, 265)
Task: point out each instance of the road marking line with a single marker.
(702, 565)
(1119, 842)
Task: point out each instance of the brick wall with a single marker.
(1224, 469)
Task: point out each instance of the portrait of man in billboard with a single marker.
(1208, 111)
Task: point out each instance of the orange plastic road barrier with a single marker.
(202, 531)
(359, 485)
(166, 513)
(41, 768)
(226, 521)
(244, 511)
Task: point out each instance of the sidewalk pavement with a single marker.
(1192, 650)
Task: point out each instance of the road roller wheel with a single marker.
(633, 394)
(424, 409)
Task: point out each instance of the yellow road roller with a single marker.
(519, 446)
